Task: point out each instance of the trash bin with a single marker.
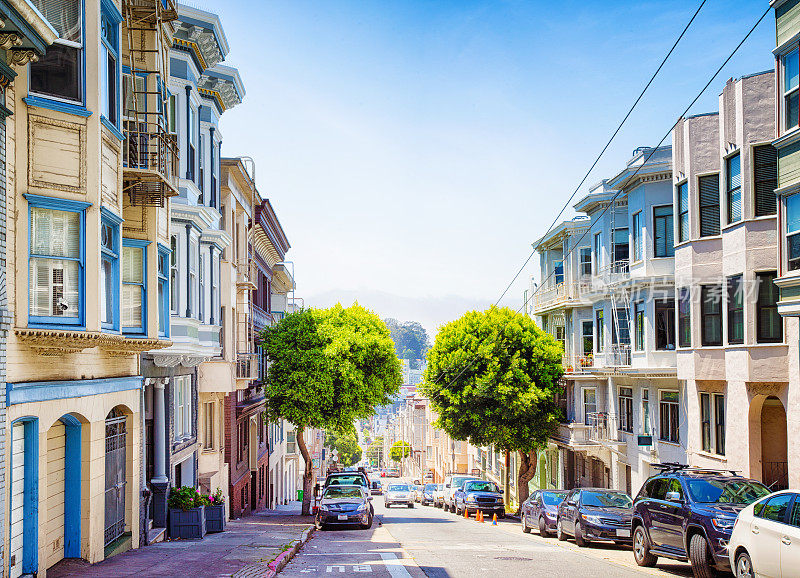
(299, 495)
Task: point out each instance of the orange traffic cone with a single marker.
(466, 513)
(480, 516)
(494, 520)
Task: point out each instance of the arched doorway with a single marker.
(774, 449)
(116, 440)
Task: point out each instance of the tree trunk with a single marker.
(527, 469)
(308, 474)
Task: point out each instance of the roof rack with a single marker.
(672, 467)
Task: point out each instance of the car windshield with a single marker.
(354, 480)
(480, 487)
(725, 492)
(341, 492)
(552, 498)
(430, 487)
(606, 500)
(398, 488)
(459, 482)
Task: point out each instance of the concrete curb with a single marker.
(283, 559)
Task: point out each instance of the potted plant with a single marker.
(215, 512)
(187, 517)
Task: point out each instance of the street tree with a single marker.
(398, 452)
(492, 377)
(375, 451)
(346, 443)
(328, 367)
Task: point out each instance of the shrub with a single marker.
(185, 498)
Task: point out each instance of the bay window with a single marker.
(665, 324)
(791, 91)
(793, 231)
(711, 314)
(56, 261)
(192, 131)
(733, 175)
(202, 291)
(705, 421)
(134, 286)
(173, 275)
(769, 323)
(59, 72)
(765, 179)
(637, 236)
(735, 310)
(626, 409)
(109, 270)
(669, 413)
(163, 291)
(684, 317)
(598, 253)
(191, 305)
(182, 406)
(683, 212)
(109, 65)
(664, 237)
(709, 205)
(638, 325)
(600, 328)
(585, 262)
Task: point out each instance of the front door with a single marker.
(17, 498)
(115, 476)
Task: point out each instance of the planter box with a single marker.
(187, 525)
(215, 518)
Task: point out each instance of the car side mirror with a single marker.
(571, 502)
(673, 497)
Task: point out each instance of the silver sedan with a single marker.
(399, 493)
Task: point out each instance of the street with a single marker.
(426, 541)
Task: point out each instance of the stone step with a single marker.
(156, 535)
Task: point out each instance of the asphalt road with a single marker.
(427, 541)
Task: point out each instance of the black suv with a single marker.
(687, 514)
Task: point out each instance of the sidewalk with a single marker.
(244, 549)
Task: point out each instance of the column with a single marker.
(160, 481)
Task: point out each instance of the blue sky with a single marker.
(414, 150)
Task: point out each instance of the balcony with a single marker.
(616, 272)
(578, 363)
(574, 434)
(618, 355)
(604, 429)
(246, 274)
(246, 366)
(261, 318)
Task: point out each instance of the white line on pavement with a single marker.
(394, 566)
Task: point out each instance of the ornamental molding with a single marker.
(55, 343)
(22, 56)
(175, 359)
(9, 40)
(118, 346)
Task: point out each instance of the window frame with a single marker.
(734, 309)
(684, 312)
(669, 227)
(113, 256)
(731, 191)
(704, 314)
(583, 252)
(164, 258)
(639, 325)
(790, 234)
(584, 336)
(706, 441)
(673, 425)
(182, 391)
(682, 196)
(760, 275)
(719, 423)
(786, 94)
(625, 405)
(637, 231)
(597, 251)
(55, 204)
(141, 245)
(703, 207)
(174, 269)
(600, 327)
(660, 305)
(209, 430)
(585, 405)
(110, 13)
(645, 398)
(758, 179)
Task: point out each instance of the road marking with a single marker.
(394, 566)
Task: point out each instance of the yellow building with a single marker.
(90, 173)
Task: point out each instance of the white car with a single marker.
(399, 493)
(766, 537)
(451, 484)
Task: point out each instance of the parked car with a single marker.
(438, 496)
(375, 488)
(474, 495)
(451, 484)
(418, 489)
(346, 505)
(540, 510)
(766, 537)
(427, 494)
(346, 479)
(399, 493)
(393, 474)
(688, 513)
(595, 514)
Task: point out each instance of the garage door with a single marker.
(54, 543)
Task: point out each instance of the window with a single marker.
(173, 275)
(683, 212)
(183, 406)
(719, 423)
(163, 291)
(56, 265)
(59, 73)
(192, 275)
(768, 320)
(598, 250)
(665, 325)
(215, 273)
(589, 405)
(241, 433)
(638, 325)
(109, 272)
(705, 421)
(646, 412)
(172, 114)
(586, 262)
(202, 281)
(558, 272)
(668, 416)
(621, 251)
(109, 73)
(626, 409)
(621, 313)
(600, 328)
(637, 236)
(208, 412)
(735, 310)
(791, 94)
(709, 205)
(664, 242)
(134, 286)
(733, 175)
(684, 317)
(588, 337)
(190, 158)
(201, 169)
(711, 314)
(765, 179)
(134, 101)
(793, 231)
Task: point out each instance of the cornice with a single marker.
(56, 342)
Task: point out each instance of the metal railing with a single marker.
(603, 426)
(246, 365)
(574, 433)
(618, 355)
(577, 363)
(151, 150)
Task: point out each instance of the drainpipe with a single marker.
(188, 270)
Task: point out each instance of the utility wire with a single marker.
(605, 148)
(650, 154)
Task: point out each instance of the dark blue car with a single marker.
(541, 509)
(688, 514)
(474, 495)
(589, 514)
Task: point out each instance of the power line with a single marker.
(650, 154)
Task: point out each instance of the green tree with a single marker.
(346, 444)
(492, 377)
(375, 451)
(398, 452)
(410, 338)
(328, 367)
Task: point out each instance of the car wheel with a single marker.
(744, 566)
(700, 557)
(579, 539)
(411, 505)
(320, 526)
(560, 532)
(368, 525)
(641, 548)
(543, 531)
(525, 527)
(501, 515)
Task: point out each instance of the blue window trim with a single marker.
(113, 256)
(114, 16)
(112, 129)
(57, 105)
(163, 280)
(108, 7)
(72, 486)
(53, 322)
(139, 244)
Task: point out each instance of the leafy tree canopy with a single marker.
(399, 450)
(346, 443)
(410, 338)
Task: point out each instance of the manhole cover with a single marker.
(520, 558)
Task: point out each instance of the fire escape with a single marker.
(150, 152)
(246, 284)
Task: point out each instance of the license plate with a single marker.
(623, 533)
(344, 517)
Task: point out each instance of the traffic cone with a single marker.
(480, 516)
(494, 520)
(466, 513)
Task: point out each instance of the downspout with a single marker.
(211, 273)
(188, 131)
(188, 270)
